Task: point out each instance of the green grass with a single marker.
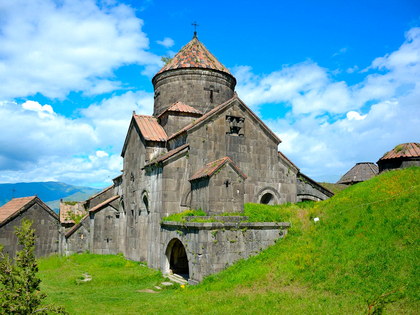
(365, 248)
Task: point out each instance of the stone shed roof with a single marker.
(104, 203)
(167, 155)
(150, 128)
(214, 166)
(180, 107)
(359, 173)
(194, 55)
(404, 150)
(18, 205)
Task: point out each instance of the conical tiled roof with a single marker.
(404, 150)
(194, 55)
(359, 173)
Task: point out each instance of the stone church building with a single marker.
(203, 148)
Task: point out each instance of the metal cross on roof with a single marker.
(195, 28)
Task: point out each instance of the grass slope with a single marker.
(363, 251)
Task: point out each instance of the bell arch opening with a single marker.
(177, 258)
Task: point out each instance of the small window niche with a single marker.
(235, 126)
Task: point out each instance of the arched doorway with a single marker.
(177, 258)
(267, 199)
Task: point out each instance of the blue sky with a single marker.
(338, 81)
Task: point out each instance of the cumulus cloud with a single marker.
(54, 47)
(38, 145)
(166, 42)
(324, 131)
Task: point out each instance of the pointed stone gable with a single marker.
(213, 167)
(180, 107)
(194, 55)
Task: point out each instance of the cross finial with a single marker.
(195, 28)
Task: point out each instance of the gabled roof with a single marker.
(194, 55)
(17, 205)
(150, 128)
(167, 155)
(404, 150)
(181, 108)
(13, 206)
(359, 173)
(220, 108)
(103, 204)
(212, 167)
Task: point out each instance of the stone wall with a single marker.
(192, 87)
(47, 231)
(211, 247)
(391, 164)
(308, 189)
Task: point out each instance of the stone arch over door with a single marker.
(301, 198)
(177, 259)
(268, 196)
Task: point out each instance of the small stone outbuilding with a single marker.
(359, 173)
(402, 156)
(46, 224)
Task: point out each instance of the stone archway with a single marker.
(177, 260)
(268, 196)
(267, 199)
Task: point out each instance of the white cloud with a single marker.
(83, 151)
(166, 42)
(323, 130)
(352, 115)
(52, 47)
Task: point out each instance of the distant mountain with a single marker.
(49, 192)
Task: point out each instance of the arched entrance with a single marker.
(267, 199)
(177, 258)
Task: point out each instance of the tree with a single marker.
(19, 284)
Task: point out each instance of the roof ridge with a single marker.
(211, 167)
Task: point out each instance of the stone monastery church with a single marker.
(203, 148)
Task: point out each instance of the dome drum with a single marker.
(197, 87)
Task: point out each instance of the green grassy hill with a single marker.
(364, 251)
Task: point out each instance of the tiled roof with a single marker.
(66, 210)
(182, 108)
(404, 150)
(194, 55)
(212, 167)
(104, 203)
(359, 173)
(167, 155)
(14, 206)
(150, 128)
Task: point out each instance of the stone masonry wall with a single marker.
(192, 87)
(47, 232)
(211, 247)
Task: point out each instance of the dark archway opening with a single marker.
(267, 199)
(146, 204)
(178, 261)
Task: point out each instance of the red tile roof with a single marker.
(14, 206)
(404, 150)
(104, 203)
(182, 108)
(212, 167)
(168, 154)
(150, 128)
(194, 55)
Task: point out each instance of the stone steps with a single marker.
(177, 278)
